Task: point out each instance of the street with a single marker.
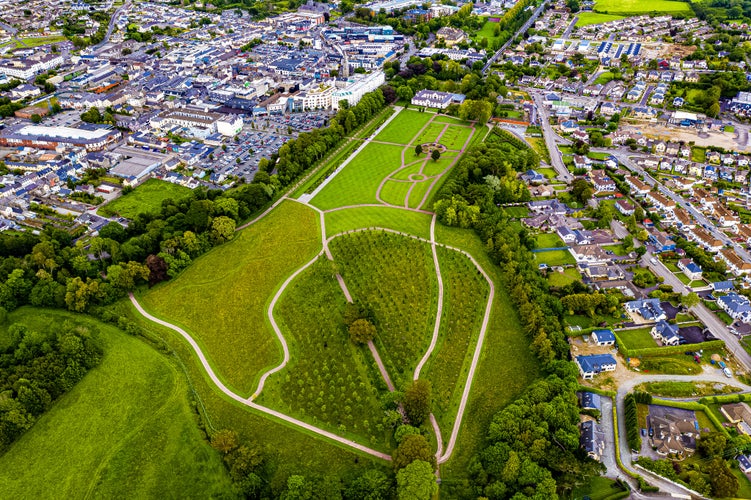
(550, 140)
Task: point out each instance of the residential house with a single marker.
(594, 364)
(661, 241)
(725, 216)
(723, 286)
(744, 231)
(738, 414)
(587, 255)
(661, 202)
(666, 333)
(590, 401)
(592, 439)
(690, 268)
(684, 220)
(602, 182)
(744, 464)
(672, 434)
(737, 306)
(603, 337)
(624, 207)
(638, 188)
(706, 240)
(648, 309)
(735, 263)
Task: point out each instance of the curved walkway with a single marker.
(249, 403)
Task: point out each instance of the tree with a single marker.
(714, 110)
(222, 228)
(413, 447)
(581, 191)
(416, 482)
(157, 269)
(724, 483)
(35, 118)
(297, 489)
(417, 401)
(362, 331)
(435, 155)
(711, 444)
(372, 485)
(91, 116)
(405, 93)
(224, 440)
(418, 149)
(690, 300)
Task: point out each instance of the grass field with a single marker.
(568, 275)
(429, 134)
(604, 78)
(597, 488)
(554, 257)
(548, 240)
(635, 7)
(465, 298)
(506, 357)
(404, 127)
(395, 192)
(235, 282)
(394, 277)
(327, 379)
(487, 31)
(672, 365)
(126, 430)
(448, 119)
(287, 450)
(358, 181)
(637, 338)
(146, 198)
(455, 137)
(418, 194)
(588, 18)
(387, 217)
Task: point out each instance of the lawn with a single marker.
(433, 168)
(506, 357)
(397, 219)
(234, 282)
(455, 137)
(327, 380)
(417, 195)
(395, 192)
(671, 365)
(358, 182)
(519, 212)
(465, 299)
(487, 31)
(127, 429)
(394, 277)
(597, 488)
(538, 144)
(638, 338)
(729, 129)
(698, 154)
(429, 134)
(588, 18)
(673, 389)
(146, 198)
(568, 275)
(604, 78)
(554, 257)
(449, 119)
(616, 249)
(548, 240)
(636, 7)
(404, 127)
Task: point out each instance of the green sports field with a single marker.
(126, 430)
(146, 198)
(221, 298)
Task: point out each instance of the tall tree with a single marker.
(416, 482)
(417, 401)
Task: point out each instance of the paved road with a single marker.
(550, 140)
(111, 26)
(521, 30)
(570, 27)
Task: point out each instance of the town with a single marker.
(511, 211)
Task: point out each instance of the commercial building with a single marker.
(43, 137)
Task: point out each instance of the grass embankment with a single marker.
(221, 298)
(327, 381)
(674, 389)
(398, 219)
(465, 299)
(506, 366)
(393, 276)
(126, 430)
(146, 198)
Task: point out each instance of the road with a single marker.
(521, 30)
(556, 159)
(709, 375)
(111, 27)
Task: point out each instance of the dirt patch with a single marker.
(716, 357)
(634, 362)
(721, 139)
(681, 51)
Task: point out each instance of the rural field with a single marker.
(636, 7)
(589, 18)
(146, 198)
(239, 278)
(126, 430)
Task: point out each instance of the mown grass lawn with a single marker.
(554, 257)
(636, 7)
(398, 219)
(429, 134)
(394, 277)
(638, 338)
(568, 275)
(487, 31)
(126, 430)
(548, 240)
(327, 381)
(597, 488)
(404, 128)
(146, 198)
(465, 299)
(395, 192)
(587, 18)
(506, 357)
(358, 182)
(455, 137)
(221, 298)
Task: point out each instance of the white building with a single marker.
(25, 69)
(356, 89)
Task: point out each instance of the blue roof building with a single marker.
(603, 337)
(590, 401)
(649, 309)
(593, 364)
(666, 333)
(737, 306)
(592, 439)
